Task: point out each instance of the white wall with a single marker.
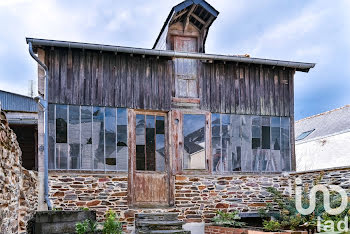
(327, 152)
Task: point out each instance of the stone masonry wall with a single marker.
(197, 198)
(18, 196)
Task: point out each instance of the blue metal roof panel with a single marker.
(16, 102)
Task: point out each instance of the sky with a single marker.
(307, 31)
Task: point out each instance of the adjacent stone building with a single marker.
(18, 186)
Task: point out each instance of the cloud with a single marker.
(310, 31)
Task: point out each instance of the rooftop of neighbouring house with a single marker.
(324, 124)
(17, 102)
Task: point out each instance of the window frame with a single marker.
(166, 135)
(208, 146)
(92, 169)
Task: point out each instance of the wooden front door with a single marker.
(149, 161)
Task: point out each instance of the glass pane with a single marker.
(265, 137)
(150, 143)
(236, 159)
(140, 157)
(256, 121)
(215, 119)
(61, 155)
(216, 154)
(61, 137)
(52, 136)
(122, 139)
(74, 137)
(275, 122)
(160, 152)
(226, 156)
(122, 158)
(256, 131)
(140, 142)
(275, 138)
(110, 138)
(160, 144)
(61, 124)
(160, 125)
(86, 137)
(285, 145)
(194, 141)
(256, 143)
(98, 137)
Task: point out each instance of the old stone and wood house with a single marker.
(164, 129)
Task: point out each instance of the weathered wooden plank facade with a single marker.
(157, 114)
(119, 80)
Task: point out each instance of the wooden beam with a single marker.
(178, 16)
(197, 18)
(186, 100)
(187, 20)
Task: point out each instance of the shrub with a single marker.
(112, 225)
(271, 225)
(82, 227)
(290, 218)
(228, 219)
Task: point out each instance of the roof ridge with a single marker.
(323, 113)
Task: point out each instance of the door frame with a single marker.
(132, 157)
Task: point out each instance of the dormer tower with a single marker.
(186, 27)
(186, 30)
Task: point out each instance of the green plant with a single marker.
(82, 227)
(112, 225)
(87, 226)
(290, 218)
(271, 225)
(228, 219)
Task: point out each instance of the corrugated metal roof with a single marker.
(16, 102)
(327, 123)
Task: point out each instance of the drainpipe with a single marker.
(44, 104)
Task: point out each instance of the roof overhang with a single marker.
(169, 54)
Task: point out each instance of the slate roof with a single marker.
(16, 102)
(327, 123)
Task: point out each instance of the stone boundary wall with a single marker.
(197, 198)
(18, 186)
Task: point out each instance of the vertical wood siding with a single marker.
(251, 90)
(80, 77)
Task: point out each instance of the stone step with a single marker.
(157, 216)
(165, 232)
(158, 225)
